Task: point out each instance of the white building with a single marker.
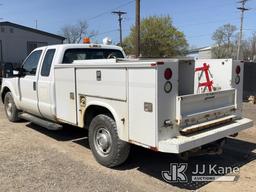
(201, 53)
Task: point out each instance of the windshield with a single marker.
(87, 54)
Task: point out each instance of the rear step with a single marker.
(207, 125)
(41, 122)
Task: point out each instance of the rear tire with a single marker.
(11, 110)
(105, 144)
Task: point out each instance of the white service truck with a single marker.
(166, 105)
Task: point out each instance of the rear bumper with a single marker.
(185, 143)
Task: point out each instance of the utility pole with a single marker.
(1, 5)
(120, 18)
(36, 24)
(137, 25)
(242, 9)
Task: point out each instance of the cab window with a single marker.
(30, 65)
(87, 54)
(46, 67)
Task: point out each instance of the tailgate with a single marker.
(199, 108)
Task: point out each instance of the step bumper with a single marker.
(184, 143)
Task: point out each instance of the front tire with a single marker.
(11, 110)
(104, 142)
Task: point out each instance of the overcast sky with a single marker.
(196, 18)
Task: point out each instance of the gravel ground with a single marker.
(34, 159)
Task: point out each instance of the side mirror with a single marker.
(8, 70)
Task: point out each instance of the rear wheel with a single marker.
(105, 144)
(11, 110)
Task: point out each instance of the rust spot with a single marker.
(188, 131)
(153, 148)
(143, 145)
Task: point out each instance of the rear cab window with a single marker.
(46, 67)
(71, 55)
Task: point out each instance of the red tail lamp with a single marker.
(168, 74)
(238, 70)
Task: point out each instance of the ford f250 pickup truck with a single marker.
(153, 103)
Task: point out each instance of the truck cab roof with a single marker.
(78, 46)
(67, 53)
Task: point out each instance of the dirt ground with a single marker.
(34, 159)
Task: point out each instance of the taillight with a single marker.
(168, 74)
(168, 84)
(238, 70)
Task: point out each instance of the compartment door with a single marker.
(142, 106)
(66, 95)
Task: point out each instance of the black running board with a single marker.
(41, 122)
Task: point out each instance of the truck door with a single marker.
(28, 83)
(45, 86)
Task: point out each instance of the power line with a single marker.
(242, 9)
(201, 35)
(188, 24)
(110, 10)
(182, 25)
(105, 32)
(131, 1)
(208, 35)
(249, 30)
(205, 23)
(200, 9)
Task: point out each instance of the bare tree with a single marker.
(248, 48)
(224, 38)
(74, 33)
(253, 46)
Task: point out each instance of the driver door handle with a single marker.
(34, 86)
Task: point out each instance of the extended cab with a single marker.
(161, 104)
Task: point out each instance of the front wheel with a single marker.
(104, 142)
(11, 110)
